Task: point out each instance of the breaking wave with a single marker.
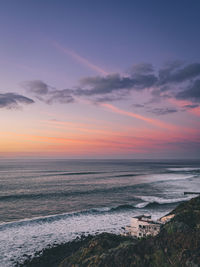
(148, 202)
(154, 202)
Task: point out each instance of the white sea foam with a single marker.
(159, 200)
(141, 205)
(19, 239)
(168, 177)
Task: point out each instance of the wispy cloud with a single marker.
(186, 105)
(162, 111)
(154, 122)
(80, 59)
(77, 127)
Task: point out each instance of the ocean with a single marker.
(47, 202)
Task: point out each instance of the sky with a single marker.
(100, 79)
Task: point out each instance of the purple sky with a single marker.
(100, 79)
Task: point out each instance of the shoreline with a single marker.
(55, 254)
(154, 204)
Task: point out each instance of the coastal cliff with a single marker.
(177, 244)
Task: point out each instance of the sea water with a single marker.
(47, 202)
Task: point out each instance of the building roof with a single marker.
(143, 217)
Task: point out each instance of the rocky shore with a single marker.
(177, 244)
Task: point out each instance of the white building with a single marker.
(143, 226)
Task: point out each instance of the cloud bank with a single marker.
(175, 80)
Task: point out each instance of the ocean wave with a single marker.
(122, 207)
(73, 173)
(63, 216)
(133, 187)
(127, 175)
(183, 169)
(32, 196)
(51, 218)
(40, 174)
(141, 205)
(77, 214)
(155, 205)
(160, 200)
(153, 202)
(47, 195)
(148, 202)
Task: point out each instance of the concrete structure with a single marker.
(142, 226)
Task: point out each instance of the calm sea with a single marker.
(46, 202)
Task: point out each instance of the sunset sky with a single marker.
(100, 79)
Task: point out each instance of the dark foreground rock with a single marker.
(53, 255)
(103, 250)
(178, 244)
